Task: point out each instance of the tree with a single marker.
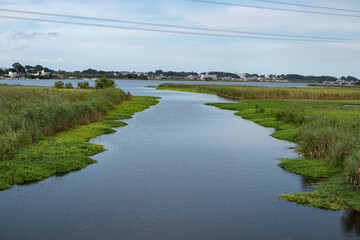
(104, 82)
(158, 72)
(83, 84)
(59, 84)
(69, 85)
(38, 68)
(19, 68)
(351, 78)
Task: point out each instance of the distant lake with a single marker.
(179, 170)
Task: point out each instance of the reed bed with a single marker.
(260, 92)
(28, 114)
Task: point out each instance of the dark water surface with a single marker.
(180, 170)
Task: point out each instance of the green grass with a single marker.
(334, 194)
(327, 133)
(28, 114)
(309, 168)
(68, 150)
(259, 92)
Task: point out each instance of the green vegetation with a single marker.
(83, 85)
(59, 84)
(28, 114)
(104, 82)
(258, 92)
(309, 168)
(333, 85)
(69, 85)
(327, 133)
(68, 150)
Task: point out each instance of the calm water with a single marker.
(180, 170)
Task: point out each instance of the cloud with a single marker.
(45, 60)
(20, 35)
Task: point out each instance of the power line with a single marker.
(274, 8)
(173, 26)
(171, 31)
(307, 6)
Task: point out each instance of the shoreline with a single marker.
(69, 150)
(332, 191)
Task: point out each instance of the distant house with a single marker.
(43, 73)
(13, 74)
(207, 76)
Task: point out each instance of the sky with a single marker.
(75, 47)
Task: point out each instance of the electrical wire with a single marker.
(274, 8)
(171, 31)
(308, 6)
(174, 26)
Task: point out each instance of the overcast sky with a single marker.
(73, 47)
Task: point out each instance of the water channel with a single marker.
(179, 170)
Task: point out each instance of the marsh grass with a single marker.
(260, 92)
(68, 150)
(327, 133)
(28, 114)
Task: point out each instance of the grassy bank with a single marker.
(63, 151)
(28, 114)
(327, 133)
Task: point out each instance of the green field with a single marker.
(327, 133)
(44, 131)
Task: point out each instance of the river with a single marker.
(179, 170)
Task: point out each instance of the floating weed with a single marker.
(310, 168)
(334, 194)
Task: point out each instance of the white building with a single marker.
(207, 76)
(13, 74)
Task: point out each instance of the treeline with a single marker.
(301, 78)
(41, 72)
(173, 74)
(225, 75)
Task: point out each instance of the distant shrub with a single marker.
(59, 84)
(128, 96)
(83, 84)
(104, 82)
(69, 85)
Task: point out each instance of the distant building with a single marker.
(13, 74)
(243, 76)
(207, 76)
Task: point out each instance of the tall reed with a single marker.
(28, 114)
(260, 92)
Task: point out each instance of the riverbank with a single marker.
(45, 131)
(326, 132)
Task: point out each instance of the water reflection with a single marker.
(351, 222)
